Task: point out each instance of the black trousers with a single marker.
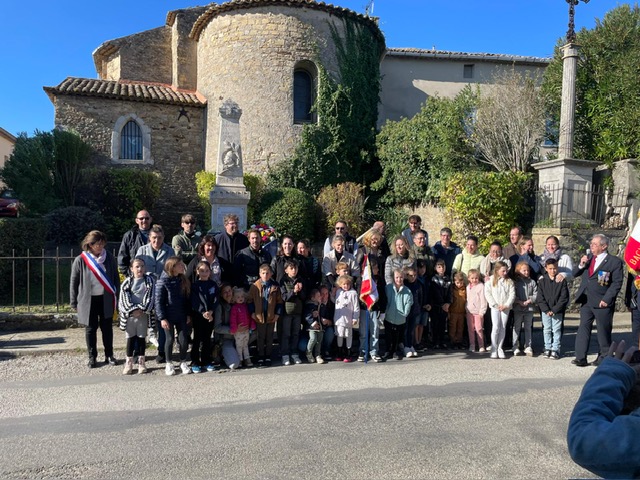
(98, 320)
(201, 348)
(604, 324)
(394, 336)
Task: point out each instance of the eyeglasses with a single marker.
(144, 218)
(339, 228)
(189, 222)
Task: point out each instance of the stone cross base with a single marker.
(228, 199)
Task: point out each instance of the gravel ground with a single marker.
(451, 415)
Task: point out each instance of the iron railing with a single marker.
(36, 282)
(559, 206)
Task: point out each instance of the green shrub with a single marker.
(394, 218)
(256, 186)
(345, 202)
(17, 236)
(118, 194)
(205, 181)
(486, 204)
(289, 210)
(69, 225)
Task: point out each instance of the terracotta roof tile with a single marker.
(127, 90)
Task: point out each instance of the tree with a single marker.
(45, 170)
(70, 155)
(510, 122)
(28, 172)
(607, 122)
(417, 154)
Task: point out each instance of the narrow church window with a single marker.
(303, 96)
(131, 142)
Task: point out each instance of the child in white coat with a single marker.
(346, 314)
(500, 293)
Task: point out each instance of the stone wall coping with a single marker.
(126, 90)
(216, 9)
(465, 56)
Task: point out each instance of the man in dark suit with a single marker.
(597, 293)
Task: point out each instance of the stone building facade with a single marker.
(170, 81)
(159, 90)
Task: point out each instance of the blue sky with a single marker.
(44, 42)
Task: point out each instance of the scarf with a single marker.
(547, 254)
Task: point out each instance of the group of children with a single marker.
(414, 311)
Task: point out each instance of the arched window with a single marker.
(131, 142)
(304, 92)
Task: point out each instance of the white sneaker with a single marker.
(517, 352)
(489, 348)
(413, 352)
(528, 352)
(407, 352)
(169, 370)
(233, 366)
(286, 361)
(185, 368)
(494, 354)
(482, 350)
(472, 349)
(501, 353)
(319, 359)
(128, 366)
(296, 359)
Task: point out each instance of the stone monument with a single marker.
(568, 181)
(229, 194)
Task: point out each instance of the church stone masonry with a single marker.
(172, 79)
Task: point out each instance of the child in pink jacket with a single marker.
(476, 308)
(241, 325)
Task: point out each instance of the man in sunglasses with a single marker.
(340, 228)
(186, 242)
(133, 240)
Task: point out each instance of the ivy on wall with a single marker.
(340, 146)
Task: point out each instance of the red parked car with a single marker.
(9, 204)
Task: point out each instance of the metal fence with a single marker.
(36, 282)
(559, 206)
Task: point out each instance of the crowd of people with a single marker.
(218, 295)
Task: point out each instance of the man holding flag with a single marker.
(370, 316)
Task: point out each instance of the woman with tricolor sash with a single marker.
(94, 290)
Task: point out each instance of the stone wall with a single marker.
(144, 56)
(184, 50)
(177, 145)
(249, 56)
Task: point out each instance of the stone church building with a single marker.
(156, 99)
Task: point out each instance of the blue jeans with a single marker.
(373, 331)
(552, 331)
(327, 341)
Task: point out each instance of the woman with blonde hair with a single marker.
(401, 257)
(173, 309)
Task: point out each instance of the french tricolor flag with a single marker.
(632, 251)
(368, 290)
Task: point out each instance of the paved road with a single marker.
(442, 416)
